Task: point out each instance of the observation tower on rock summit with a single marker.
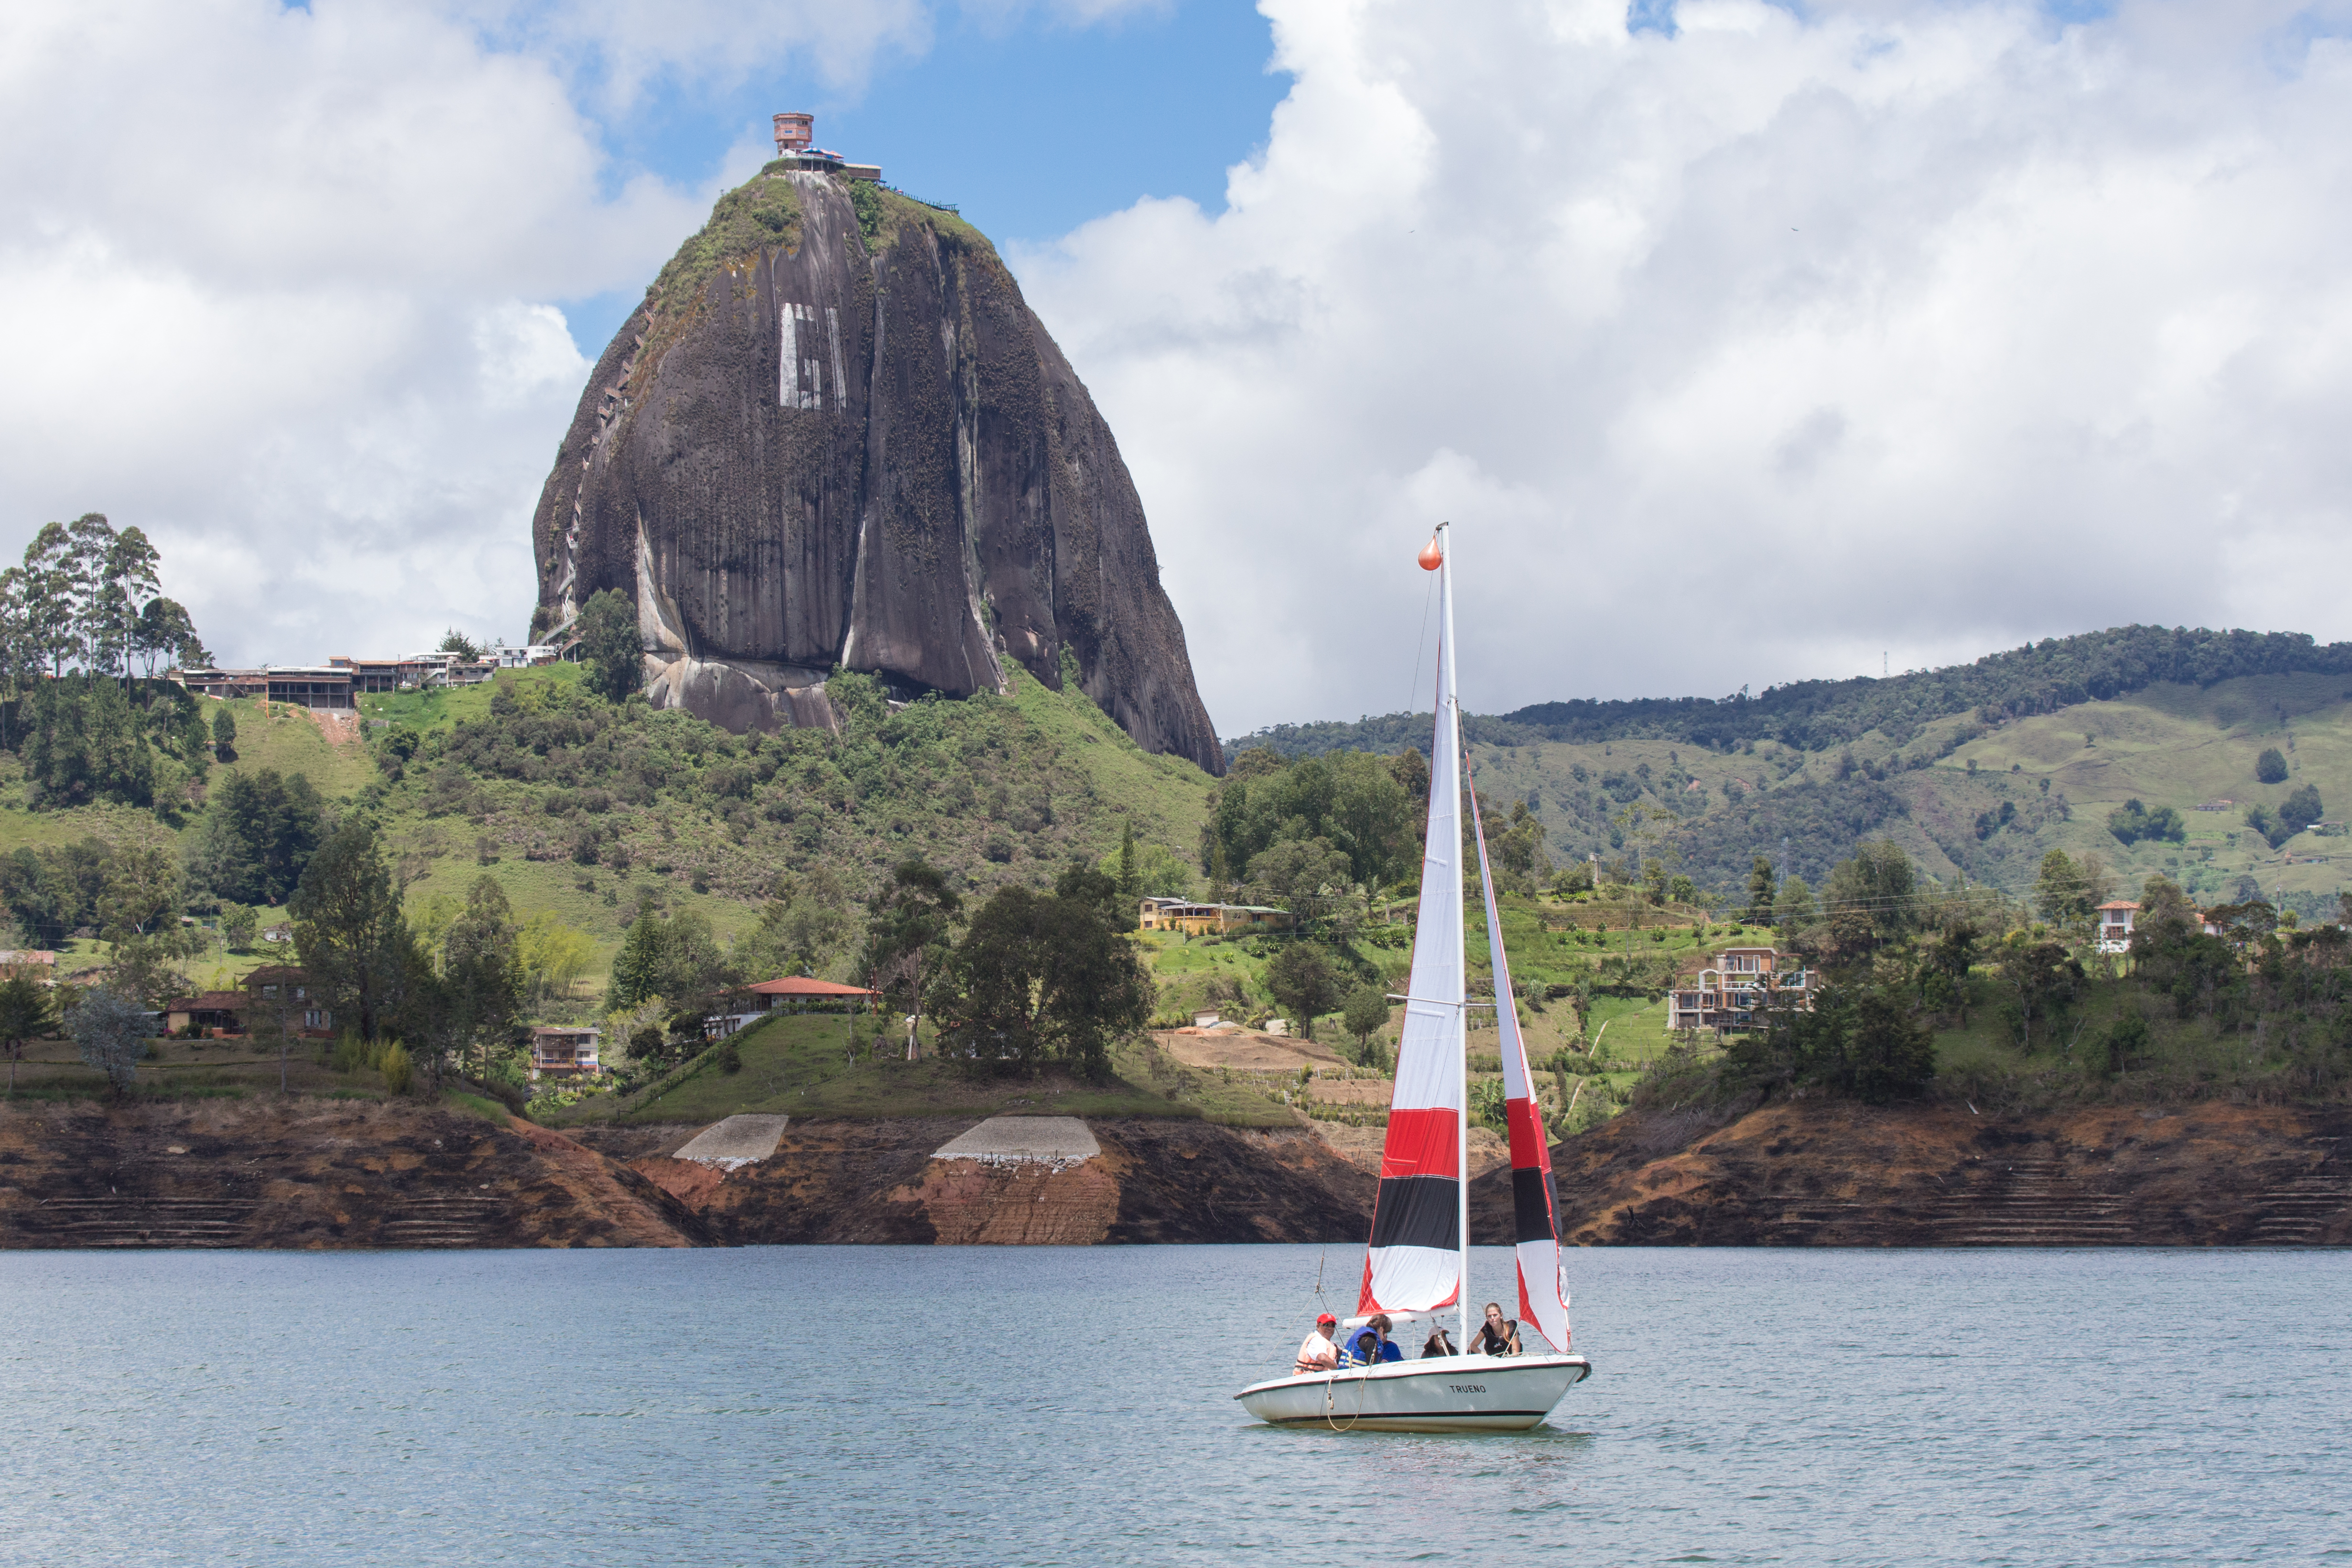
(796, 148)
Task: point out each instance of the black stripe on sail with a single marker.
(1531, 1201)
(1418, 1211)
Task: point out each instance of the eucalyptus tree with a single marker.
(111, 1032)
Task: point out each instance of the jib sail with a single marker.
(1535, 1203)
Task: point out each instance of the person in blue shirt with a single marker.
(1370, 1343)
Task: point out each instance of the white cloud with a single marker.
(1741, 354)
(625, 46)
(272, 278)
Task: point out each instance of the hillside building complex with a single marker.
(342, 680)
(1737, 987)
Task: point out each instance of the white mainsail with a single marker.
(1420, 1215)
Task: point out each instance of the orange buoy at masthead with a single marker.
(1433, 554)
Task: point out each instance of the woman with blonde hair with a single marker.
(1498, 1335)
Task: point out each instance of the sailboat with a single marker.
(1417, 1265)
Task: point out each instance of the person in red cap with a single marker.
(1317, 1353)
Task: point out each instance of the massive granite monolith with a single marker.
(835, 435)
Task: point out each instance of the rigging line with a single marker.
(1421, 647)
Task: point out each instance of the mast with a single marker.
(1461, 965)
(1413, 1262)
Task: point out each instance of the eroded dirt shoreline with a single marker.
(1836, 1174)
(324, 1173)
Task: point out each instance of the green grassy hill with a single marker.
(829, 1064)
(2060, 773)
(591, 813)
(678, 813)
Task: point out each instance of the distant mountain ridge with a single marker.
(1815, 715)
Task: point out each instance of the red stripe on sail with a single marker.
(1528, 1150)
(1423, 1142)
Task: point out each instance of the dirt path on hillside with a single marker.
(340, 729)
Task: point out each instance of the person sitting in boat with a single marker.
(1438, 1343)
(1317, 1353)
(1498, 1335)
(1371, 1344)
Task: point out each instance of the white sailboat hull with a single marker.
(1443, 1394)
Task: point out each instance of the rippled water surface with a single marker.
(1045, 1406)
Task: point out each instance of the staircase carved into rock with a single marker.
(444, 1222)
(126, 1221)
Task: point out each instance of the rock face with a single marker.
(834, 434)
(1817, 1173)
(1149, 1182)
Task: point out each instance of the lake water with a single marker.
(938, 1405)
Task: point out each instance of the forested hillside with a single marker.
(1813, 715)
(1979, 771)
(587, 814)
(450, 864)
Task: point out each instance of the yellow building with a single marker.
(1210, 919)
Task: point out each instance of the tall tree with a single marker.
(1042, 978)
(259, 829)
(2300, 809)
(89, 551)
(1872, 897)
(2043, 979)
(612, 645)
(1366, 1009)
(1303, 979)
(50, 581)
(1759, 893)
(482, 967)
(2164, 908)
(348, 927)
(128, 579)
(1520, 862)
(111, 1029)
(552, 954)
(2062, 893)
(799, 931)
(640, 966)
(1130, 877)
(87, 746)
(139, 915)
(164, 633)
(907, 926)
(26, 1013)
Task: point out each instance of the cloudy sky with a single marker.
(1740, 342)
